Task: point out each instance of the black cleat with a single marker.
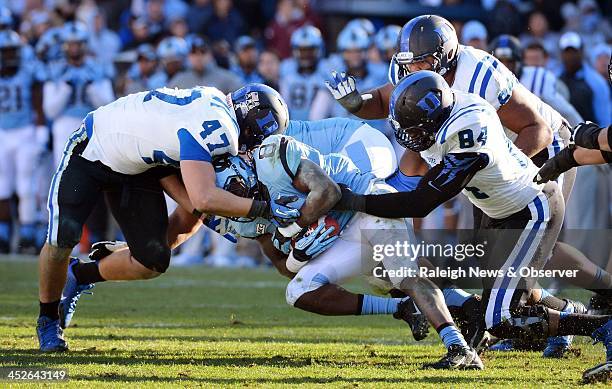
(600, 305)
(470, 321)
(458, 358)
(418, 323)
(599, 373)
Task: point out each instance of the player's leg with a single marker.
(72, 194)
(26, 160)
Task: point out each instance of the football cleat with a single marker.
(503, 345)
(468, 318)
(600, 305)
(418, 323)
(557, 346)
(50, 335)
(599, 373)
(604, 334)
(71, 294)
(458, 358)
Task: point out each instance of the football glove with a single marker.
(281, 213)
(105, 248)
(343, 88)
(309, 246)
(222, 226)
(557, 165)
(281, 242)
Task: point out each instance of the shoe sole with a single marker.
(600, 373)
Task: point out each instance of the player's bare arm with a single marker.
(199, 178)
(277, 257)
(323, 193)
(519, 115)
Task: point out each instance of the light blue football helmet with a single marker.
(238, 177)
(172, 48)
(353, 38)
(363, 23)
(386, 37)
(306, 36)
(74, 32)
(6, 18)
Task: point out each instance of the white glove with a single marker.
(343, 88)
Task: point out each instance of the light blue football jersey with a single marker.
(277, 161)
(299, 89)
(16, 95)
(79, 78)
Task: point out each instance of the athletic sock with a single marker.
(455, 297)
(374, 305)
(87, 273)
(450, 335)
(602, 283)
(5, 231)
(27, 232)
(50, 310)
(552, 302)
(580, 324)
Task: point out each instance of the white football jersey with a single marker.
(161, 127)
(505, 186)
(481, 73)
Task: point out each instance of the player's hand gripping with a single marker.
(343, 88)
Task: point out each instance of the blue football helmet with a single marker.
(507, 48)
(307, 45)
(260, 112)
(6, 18)
(353, 39)
(419, 105)
(386, 37)
(238, 177)
(172, 48)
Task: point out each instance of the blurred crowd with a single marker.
(78, 55)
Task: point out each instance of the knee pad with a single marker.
(68, 233)
(154, 255)
(298, 286)
(527, 323)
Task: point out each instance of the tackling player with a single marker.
(302, 75)
(462, 139)
(114, 151)
(20, 142)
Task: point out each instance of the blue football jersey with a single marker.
(78, 78)
(277, 161)
(16, 95)
(299, 89)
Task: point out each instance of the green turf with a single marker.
(224, 327)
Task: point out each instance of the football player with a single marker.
(460, 136)
(114, 152)
(76, 86)
(302, 75)
(21, 142)
(323, 259)
(430, 42)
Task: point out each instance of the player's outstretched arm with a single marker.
(323, 193)
(443, 182)
(199, 178)
(373, 104)
(568, 158)
(590, 136)
(520, 116)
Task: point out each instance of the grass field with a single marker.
(223, 327)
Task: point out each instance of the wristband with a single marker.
(291, 230)
(292, 264)
(258, 209)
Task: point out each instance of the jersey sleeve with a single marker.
(492, 81)
(212, 132)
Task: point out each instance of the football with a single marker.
(329, 222)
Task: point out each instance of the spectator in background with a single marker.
(171, 53)
(246, 60)
(589, 92)
(203, 70)
(138, 34)
(278, 33)
(155, 18)
(225, 23)
(268, 66)
(600, 58)
(197, 17)
(222, 52)
(534, 54)
(505, 18)
(105, 43)
(538, 31)
(593, 28)
(139, 75)
(178, 27)
(474, 34)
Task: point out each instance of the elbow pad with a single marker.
(585, 135)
